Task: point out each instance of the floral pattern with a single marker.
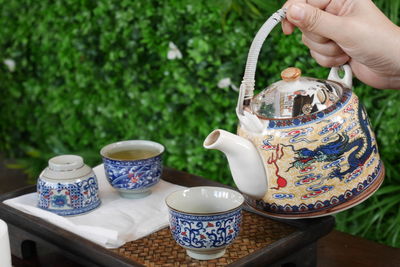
(133, 175)
(68, 198)
(200, 231)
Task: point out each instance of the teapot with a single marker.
(304, 146)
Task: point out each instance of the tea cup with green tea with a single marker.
(132, 167)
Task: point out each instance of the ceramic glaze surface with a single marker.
(314, 163)
(204, 200)
(317, 150)
(205, 220)
(133, 175)
(72, 198)
(133, 178)
(205, 232)
(288, 99)
(68, 186)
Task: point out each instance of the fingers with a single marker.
(311, 19)
(321, 45)
(329, 61)
(321, 4)
(287, 26)
(320, 30)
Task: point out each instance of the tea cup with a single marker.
(205, 220)
(68, 186)
(132, 167)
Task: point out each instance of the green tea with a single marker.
(134, 154)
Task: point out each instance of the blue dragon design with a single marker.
(335, 150)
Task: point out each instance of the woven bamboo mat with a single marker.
(160, 249)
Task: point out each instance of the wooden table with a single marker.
(27, 232)
(333, 250)
(341, 249)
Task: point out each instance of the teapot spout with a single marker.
(244, 161)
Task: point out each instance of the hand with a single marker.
(353, 31)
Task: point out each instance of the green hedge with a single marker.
(88, 73)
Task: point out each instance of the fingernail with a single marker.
(297, 11)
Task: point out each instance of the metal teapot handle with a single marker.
(248, 83)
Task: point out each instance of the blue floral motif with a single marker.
(68, 198)
(59, 201)
(133, 175)
(199, 231)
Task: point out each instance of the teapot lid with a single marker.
(295, 96)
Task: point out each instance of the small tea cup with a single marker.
(132, 167)
(68, 186)
(205, 220)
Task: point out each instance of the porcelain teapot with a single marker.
(304, 146)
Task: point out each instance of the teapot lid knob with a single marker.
(290, 74)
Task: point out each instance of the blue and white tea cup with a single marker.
(134, 166)
(68, 186)
(205, 220)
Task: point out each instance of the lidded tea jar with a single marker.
(68, 186)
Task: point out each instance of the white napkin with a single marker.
(5, 251)
(116, 221)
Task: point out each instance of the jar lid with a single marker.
(295, 96)
(66, 167)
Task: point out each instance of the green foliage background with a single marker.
(89, 73)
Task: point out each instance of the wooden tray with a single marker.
(160, 249)
(262, 240)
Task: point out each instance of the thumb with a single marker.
(312, 19)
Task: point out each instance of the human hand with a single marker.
(353, 31)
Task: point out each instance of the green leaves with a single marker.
(377, 218)
(88, 73)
